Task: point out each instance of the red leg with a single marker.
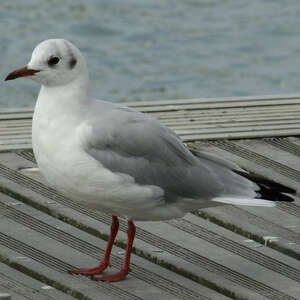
(105, 261)
(126, 264)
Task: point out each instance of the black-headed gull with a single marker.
(120, 161)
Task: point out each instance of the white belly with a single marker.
(69, 169)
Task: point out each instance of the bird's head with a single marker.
(53, 62)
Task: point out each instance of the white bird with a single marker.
(117, 160)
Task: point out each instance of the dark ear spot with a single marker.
(72, 62)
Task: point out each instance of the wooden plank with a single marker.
(69, 247)
(217, 105)
(223, 110)
(195, 119)
(224, 259)
(202, 120)
(269, 106)
(240, 135)
(247, 156)
(15, 131)
(241, 129)
(22, 143)
(290, 145)
(192, 134)
(230, 123)
(213, 100)
(177, 247)
(15, 140)
(142, 270)
(180, 101)
(186, 106)
(14, 143)
(16, 116)
(9, 147)
(199, 125)
(219, 118)
(274, 153)
(226, 122)
(16, 122)
(14, 126)
(19, 110)
(53, 268)
(24, 287)
(232, 116)
(228, 112)
(280, 166)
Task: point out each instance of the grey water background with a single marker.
(159, 49)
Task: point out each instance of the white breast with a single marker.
(59, 150)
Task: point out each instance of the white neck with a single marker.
(70, 97)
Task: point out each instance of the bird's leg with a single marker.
(105, 262)
(126, 264)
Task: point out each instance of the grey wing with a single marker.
(136, 144)
(218, 160)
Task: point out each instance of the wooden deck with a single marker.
(216, 253)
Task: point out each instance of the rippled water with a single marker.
(160, 49)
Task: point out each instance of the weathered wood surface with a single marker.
(216, 253)
(193, 120)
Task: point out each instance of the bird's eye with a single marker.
(53, 61)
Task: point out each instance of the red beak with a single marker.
(22, 72)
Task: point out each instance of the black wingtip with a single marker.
(270, 190)
(270, 183)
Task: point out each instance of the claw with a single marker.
(112, 277)
(105, 261)
(91, 271)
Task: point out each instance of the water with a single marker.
(159, 49)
